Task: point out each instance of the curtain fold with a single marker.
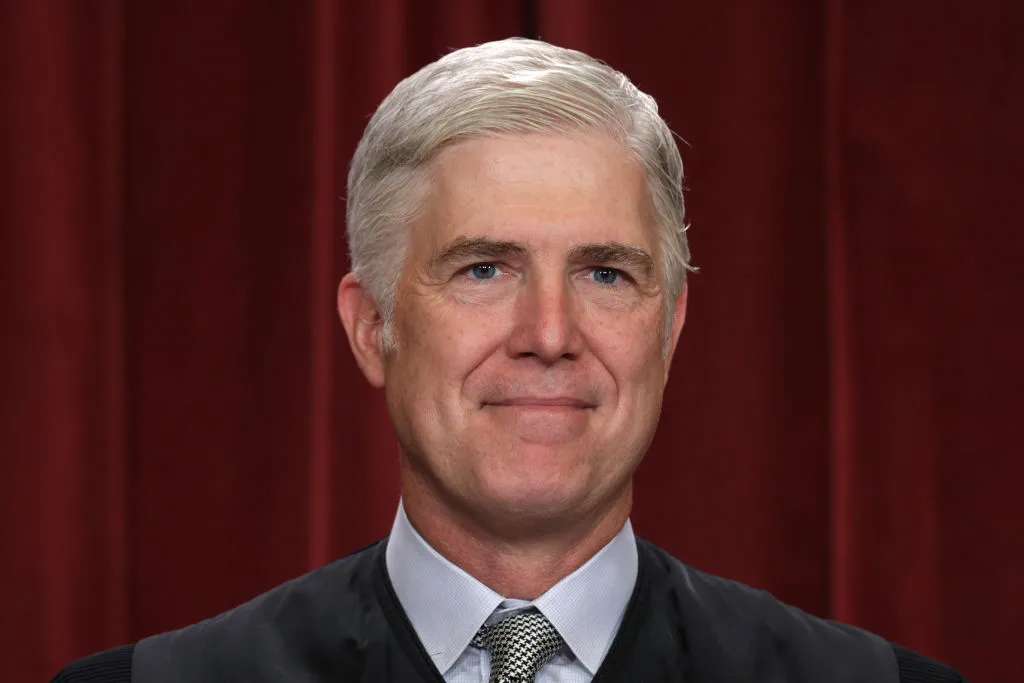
(63, 463)
(930, 148)
(182, 424)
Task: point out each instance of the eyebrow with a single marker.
(609, 253)
(478, 248)
(615, 254)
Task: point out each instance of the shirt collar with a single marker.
(587, 606)
(447, 606)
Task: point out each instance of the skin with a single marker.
(529, 371)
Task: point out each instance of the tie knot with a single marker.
(520, 644)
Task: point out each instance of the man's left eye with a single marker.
(605, 276)
(484, 271)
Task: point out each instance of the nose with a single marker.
(547, 321)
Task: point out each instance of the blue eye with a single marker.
(605, 276)
(483, 271)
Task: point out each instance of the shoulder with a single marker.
(322, 614)
(109, 666)
(916, 668)
(751, 631)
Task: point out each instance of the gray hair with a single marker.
(512, 86)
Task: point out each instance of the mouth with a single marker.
(544, 420)
(542, 403)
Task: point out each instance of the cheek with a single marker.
(443, 347)
(629, 346)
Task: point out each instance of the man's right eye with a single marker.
(483, 271)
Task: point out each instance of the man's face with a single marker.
(528, 375)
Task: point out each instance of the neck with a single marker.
(519, 561)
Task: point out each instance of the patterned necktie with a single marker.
(519, 644)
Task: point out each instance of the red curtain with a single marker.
(181, 423)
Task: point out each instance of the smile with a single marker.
(541, 403)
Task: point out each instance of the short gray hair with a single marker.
(512, 86)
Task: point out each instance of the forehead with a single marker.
(541, 190)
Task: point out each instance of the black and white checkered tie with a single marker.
(520, 644)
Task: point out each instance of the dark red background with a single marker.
(182, 425)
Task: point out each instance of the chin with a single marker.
(532, 498)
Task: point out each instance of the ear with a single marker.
(678, 320)
(363, 325)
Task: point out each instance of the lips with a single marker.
(541, 402)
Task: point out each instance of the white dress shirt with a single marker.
(447, 606)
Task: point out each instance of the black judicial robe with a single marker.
(344, 623)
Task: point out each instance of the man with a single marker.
(515, 221)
